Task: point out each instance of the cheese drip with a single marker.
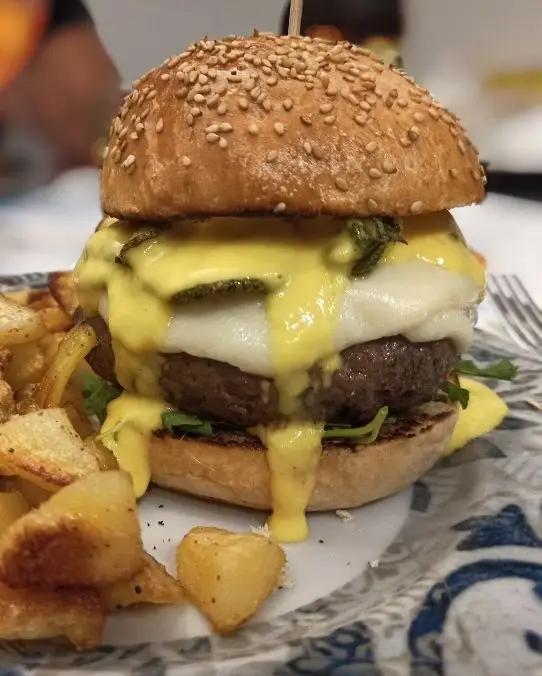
(126, 432)
(302, 318)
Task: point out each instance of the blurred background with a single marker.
(65, 63)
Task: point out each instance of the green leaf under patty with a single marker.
(371, 236)
(361, 435)
(179, 422)
(97, 393)
(502, 370)
(456, 393)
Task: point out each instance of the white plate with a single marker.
(455, 584)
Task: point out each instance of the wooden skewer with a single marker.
(294, 24)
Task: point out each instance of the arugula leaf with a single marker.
(97, 393)
(503, 369)
(361, 435)
(456, 393)
(177, 421)
(371, 236)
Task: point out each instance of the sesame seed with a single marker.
(212, 138)
(331, 90)
(212, 128)
(123, 133)
(287, 104)
(159, 125)
(267, 105)
(371, 146)
(272, 81)
(453, 172)
(434, 113)
(253, 129)
(329, 119)
(419, 117)
(318, 153)
(404, 141)
(186, 161)
(279, 128)
(280, 208)
(243, 103)
(199, 98)
(372, 204)
(341, 183)
(115, 155)
(225, 127)
(175, 60)
(195, 111)
(454, 131)
(307, 147)
(416, 207)
(461, 146)
(413, 133)
(402, 102)
(128, 161)
(388, 167)
(271, 156)
(134, 136)
(222, 108)
(365, 106)
(360, 119)
(374, 172)
(306, 118)
(223, 143)
(151, 94)
(326, 107)
(213, 100)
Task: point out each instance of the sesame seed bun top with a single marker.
(284, 125)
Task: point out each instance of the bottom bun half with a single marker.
(233, 468)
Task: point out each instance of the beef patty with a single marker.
(387, 372)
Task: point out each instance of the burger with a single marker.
(278, 287)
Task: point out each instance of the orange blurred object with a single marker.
(22, 23)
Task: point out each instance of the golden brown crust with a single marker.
(284, 125)
(347, 477)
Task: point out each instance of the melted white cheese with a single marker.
(420, 301)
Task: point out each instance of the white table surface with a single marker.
(46, 230)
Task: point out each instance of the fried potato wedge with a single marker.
(86, 535)
(12, 506)
(71, 352)
(33, 494)
(18, 324)
(62, 287)
(152, 584)
(26, 366)
(44, 448)
(77, 614)
(56, 319)
(7, 401)
(228, 575)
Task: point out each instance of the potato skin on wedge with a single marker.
(87, 534)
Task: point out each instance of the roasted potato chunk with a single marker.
(62, 287)
(228, 575)
(43, 448)
(27, 365)
(12, 506)
(77, 614)
(87, 534)
(18, 324)
(152, 584)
